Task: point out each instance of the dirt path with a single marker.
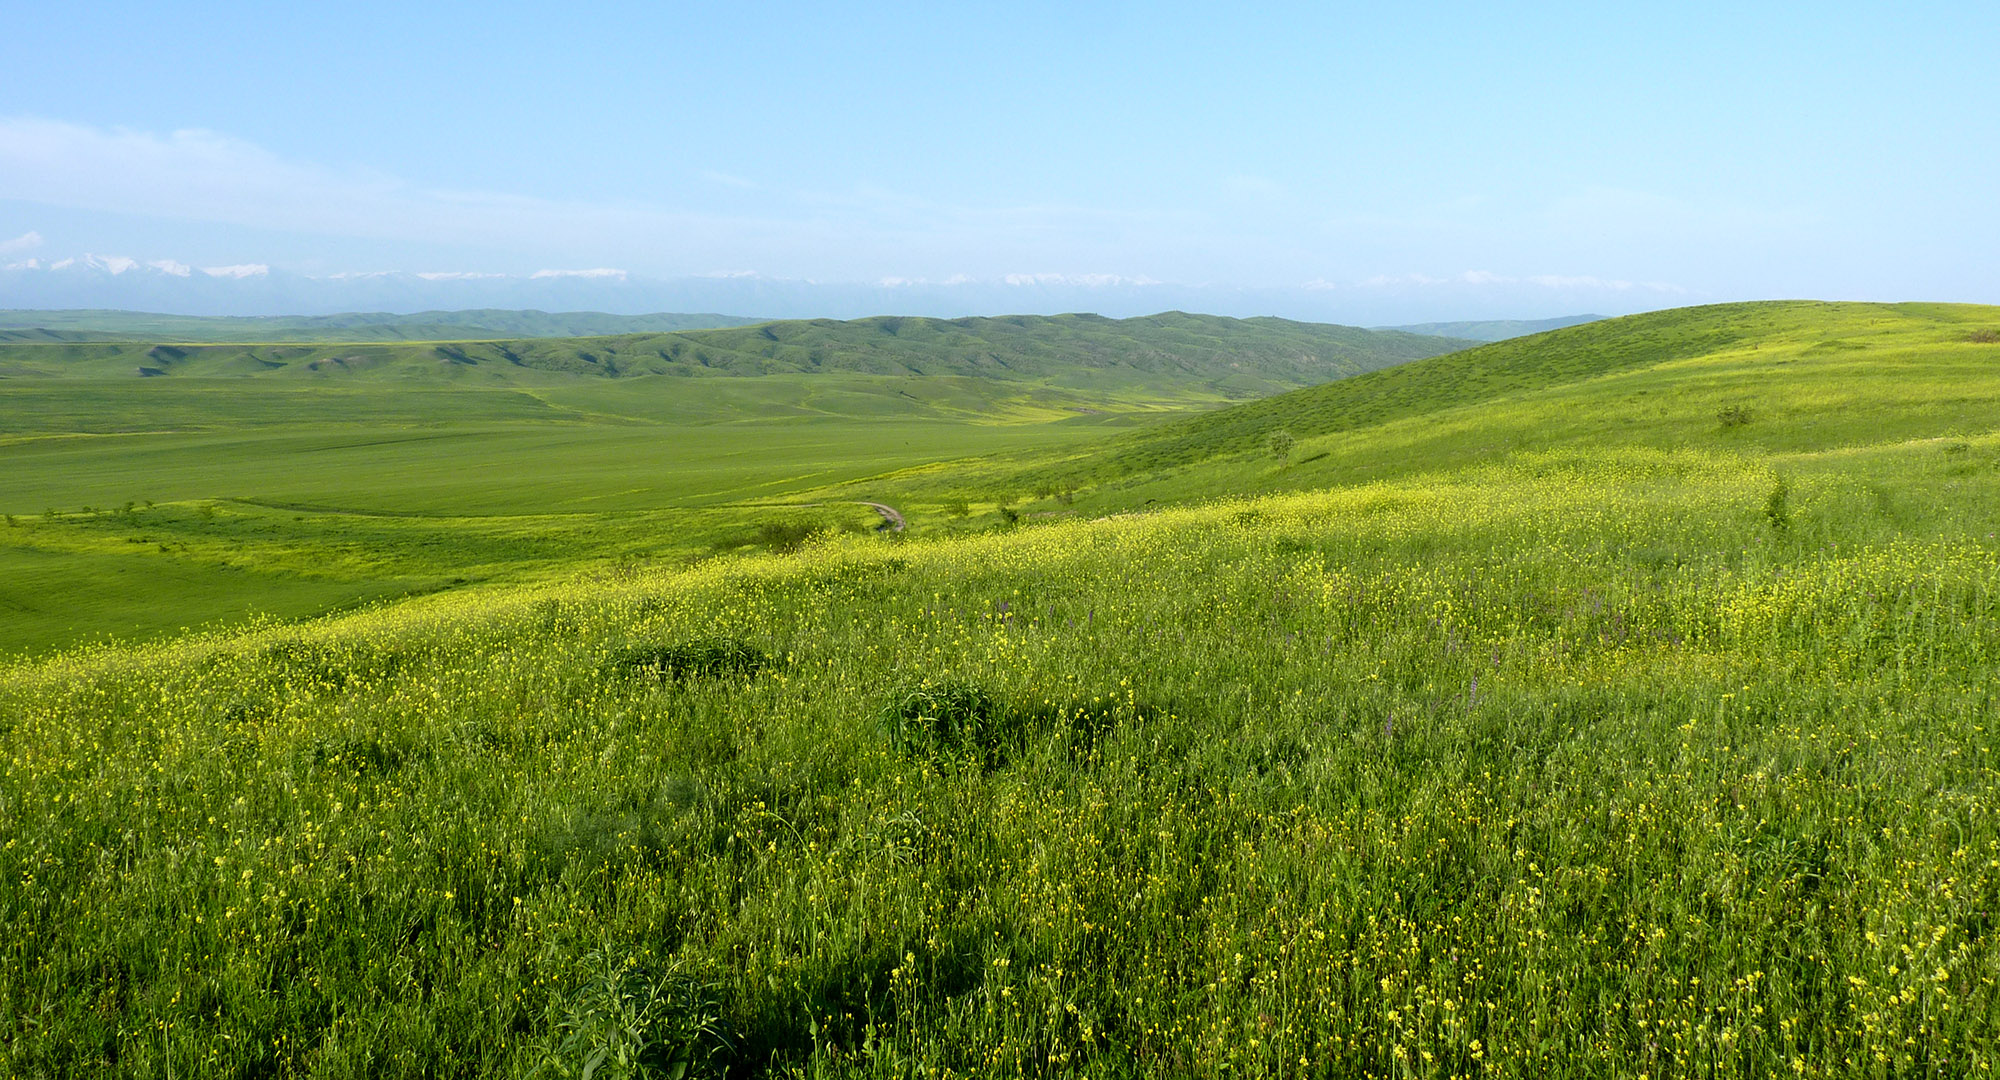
(892, 519)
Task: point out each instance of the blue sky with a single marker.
(1619, 156)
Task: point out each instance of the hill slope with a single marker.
(1587, 381)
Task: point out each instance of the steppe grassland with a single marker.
(1598, 762)
(145, 506)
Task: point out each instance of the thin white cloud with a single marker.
(1487, 278)
(1382, 280)
(205, 176)
(1089, 281)
(595, 272)
(27, 241)
(456, 275)
(201, 178)
(238, 271)
(171, 266)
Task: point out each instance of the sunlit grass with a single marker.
(1573, 765)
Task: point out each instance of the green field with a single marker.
(317, 499)
(1614, 702)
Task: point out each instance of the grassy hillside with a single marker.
(1590, 728)
(1772, 375)
(95, 325)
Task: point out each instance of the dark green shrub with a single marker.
(1733, 416)
(1777, 506)
(785, 537)
(626, 1019)
(960, 720)
(949, 719)
(703, 658)
(1281, 443)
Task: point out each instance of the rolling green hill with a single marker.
(1781, 374)
(477, 324)
(1614, 702)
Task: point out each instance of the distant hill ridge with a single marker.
(1494, 329)
(475, 324)
(1241, 357)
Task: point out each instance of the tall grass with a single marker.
(1573, 766)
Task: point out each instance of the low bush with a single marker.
(708, 658)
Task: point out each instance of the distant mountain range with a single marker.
(475, 325)
(1494, 329)
(254, 289)
(1230, 357)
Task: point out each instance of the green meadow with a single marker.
(1618, 701)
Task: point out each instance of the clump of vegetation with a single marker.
(623, 1020)
(1777, 506)
(1734, 416)
(786, 537)
(1280, 444)
(1984, 336)
(949, 718)
(705, 658)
